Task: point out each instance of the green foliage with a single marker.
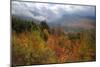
(44, 25)
(19, 25)
(45, 30)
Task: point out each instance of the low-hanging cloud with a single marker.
(50, 12)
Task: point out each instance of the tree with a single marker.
(45, 30)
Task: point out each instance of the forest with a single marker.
(37, 43)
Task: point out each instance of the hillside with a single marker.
(40, 43)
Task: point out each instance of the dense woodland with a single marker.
(37, 43)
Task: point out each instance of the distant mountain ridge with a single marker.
(69, 23)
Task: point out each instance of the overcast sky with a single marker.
(50, 12)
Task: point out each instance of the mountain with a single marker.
(67, 22)
(76, 24)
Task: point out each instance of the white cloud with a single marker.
(41, 18)
(50, 12)
(20, 9)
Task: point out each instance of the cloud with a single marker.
(20, 9)
(50, 12)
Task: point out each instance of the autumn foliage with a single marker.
(38, 44)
